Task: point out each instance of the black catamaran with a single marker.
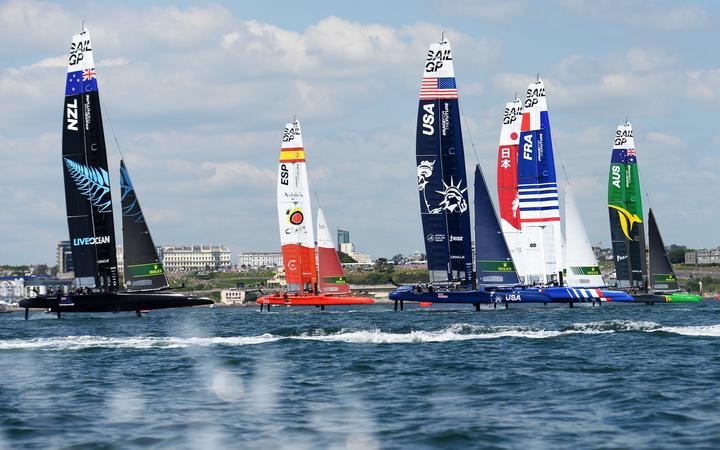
(89, 207)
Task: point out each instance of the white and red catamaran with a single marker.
(298, 240)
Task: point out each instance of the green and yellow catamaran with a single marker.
(627, 231)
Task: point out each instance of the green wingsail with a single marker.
(626, 211)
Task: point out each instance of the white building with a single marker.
(209, 258)
(12, 289)
(711, 256)
(349, 249)
(232, 296)
(257, 260)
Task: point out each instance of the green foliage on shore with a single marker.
(199, 281)
(709, 284)
(399, 276)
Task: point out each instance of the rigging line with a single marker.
(106, 113)
(467, 128)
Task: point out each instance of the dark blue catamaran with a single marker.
(89, 206)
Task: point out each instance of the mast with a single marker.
(582, 265)
(537, 190)
(295, 214)
(493, 262)
(626, 212)
(662, 275)
(507, 181)
(143, 268)
(442, 180)
(331, 274)
(88, 198)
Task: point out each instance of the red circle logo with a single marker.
(513, 135)
(296, 217)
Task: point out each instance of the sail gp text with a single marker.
(77, 51)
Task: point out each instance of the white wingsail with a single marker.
(582, 266)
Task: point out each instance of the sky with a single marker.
(197, 96)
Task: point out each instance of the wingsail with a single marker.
(88, 197)
(294, 213)
(538, 192)
(626, 211)
(442, 180)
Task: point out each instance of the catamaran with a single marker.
(88, 201)
(298, 241)
(444, 205)
(628, 235)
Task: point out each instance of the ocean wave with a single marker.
(697, 330)
(139, 342)
(454, 332)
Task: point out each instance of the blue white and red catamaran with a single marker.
(528, 196)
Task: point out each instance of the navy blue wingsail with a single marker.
(442, 181)
(493, 262)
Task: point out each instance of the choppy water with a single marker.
(623, 376)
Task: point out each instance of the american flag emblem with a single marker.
(434, 88)
(88, 74)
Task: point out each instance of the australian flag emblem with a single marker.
(81, 81)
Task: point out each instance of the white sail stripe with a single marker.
(544, 190)
(525, 215)
(537, 196)
(538, 203)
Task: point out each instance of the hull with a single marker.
(570, 294)
(643, 298)
(114, 302)
(682, 297)
(313, 300)
(485, 295)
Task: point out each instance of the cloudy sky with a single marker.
(198, 95)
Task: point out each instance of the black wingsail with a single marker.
(143, 268)
(493, 262)
(87, 182)
(662, 275)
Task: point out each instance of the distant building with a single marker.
(278, 280)
(349, 249)
(232, 296)
(257, 260)
(343, 237)
(711, 256)
(64, 260)
(186, 258)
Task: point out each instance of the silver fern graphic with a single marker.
(92, 182)
(132, 209)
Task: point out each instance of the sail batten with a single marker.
(442, 179)
(88, 196)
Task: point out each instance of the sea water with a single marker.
(615, 376)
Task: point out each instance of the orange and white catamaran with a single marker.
(298, 241)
